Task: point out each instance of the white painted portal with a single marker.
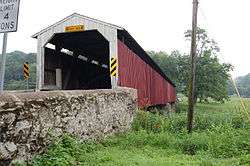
(109, 31)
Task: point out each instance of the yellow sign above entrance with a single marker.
(74, 28)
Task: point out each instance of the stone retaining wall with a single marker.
(26, 119)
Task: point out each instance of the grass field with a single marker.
(221, 137)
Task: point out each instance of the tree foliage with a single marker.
(211, 75)
(204, 43)
(211, 78)
(170, 64)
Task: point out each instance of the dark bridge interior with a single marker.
(83, 58)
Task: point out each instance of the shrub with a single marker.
(180, 107)
(226, 142)
(214, 134)
(177, 123)
(149, 122)
(66, 150)
(194, 143)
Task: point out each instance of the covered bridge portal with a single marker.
(81, 57)
(79, 52)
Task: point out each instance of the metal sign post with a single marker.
(26, 73)
(8, 23)
(3, 59)
(27, 88)
(113, 71)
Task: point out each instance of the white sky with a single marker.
(157, 25)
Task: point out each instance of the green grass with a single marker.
(221, 137)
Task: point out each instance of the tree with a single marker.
(204, 43)
(211, 75)
(212, 78)
(172, 65)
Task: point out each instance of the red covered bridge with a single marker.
(79, 52)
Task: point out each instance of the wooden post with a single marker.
(191, 96)
(59, 78)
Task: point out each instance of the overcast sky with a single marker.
(157, 25)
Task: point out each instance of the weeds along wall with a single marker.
(28, 120)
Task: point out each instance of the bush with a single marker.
(194, 143)
(214, 134)
(66, 150)
(180, 107)
(149, 122)
(226, 142)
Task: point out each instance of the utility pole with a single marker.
(191, 96)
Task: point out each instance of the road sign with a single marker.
(9, 15)
(26, 71)
(9, 10)
(113, 67)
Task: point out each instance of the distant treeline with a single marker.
(14, 79)
(174, 65)
(243, 85)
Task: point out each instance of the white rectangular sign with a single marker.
(9, 15)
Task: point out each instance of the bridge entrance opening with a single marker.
(77, 60)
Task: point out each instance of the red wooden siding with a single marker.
(152, 88)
